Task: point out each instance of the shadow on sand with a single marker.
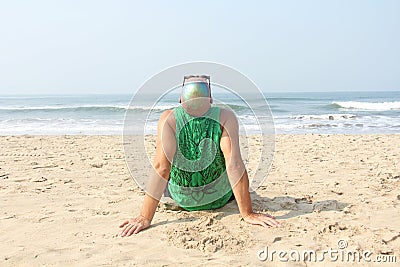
(295, 206)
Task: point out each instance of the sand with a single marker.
(63, 197)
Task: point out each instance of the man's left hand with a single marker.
(263, 219)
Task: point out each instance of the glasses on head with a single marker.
(205, 77)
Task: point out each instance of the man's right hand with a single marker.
(134, 225)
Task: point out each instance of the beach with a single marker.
(311, 90)
(63, 197)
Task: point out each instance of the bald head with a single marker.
(192, 90)
(196, 96)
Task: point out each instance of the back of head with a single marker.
(196, 95)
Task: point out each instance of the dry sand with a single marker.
(63, 197)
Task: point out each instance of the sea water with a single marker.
(292, 112)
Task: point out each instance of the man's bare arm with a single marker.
(237, 171)
(158, 179)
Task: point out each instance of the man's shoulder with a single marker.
(227, 114)
(167, 112)
(168, 117)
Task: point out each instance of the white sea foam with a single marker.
(379, 106)
(87, 107)
(332, 116)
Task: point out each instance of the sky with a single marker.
(104, 47)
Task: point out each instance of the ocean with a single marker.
(292, 112)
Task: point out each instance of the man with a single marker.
(198, 160)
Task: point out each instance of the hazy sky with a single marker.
(67, 47)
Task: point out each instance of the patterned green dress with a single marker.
(198, 178)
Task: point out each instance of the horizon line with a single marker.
(126, 93)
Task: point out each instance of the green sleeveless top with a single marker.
(198, 178)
